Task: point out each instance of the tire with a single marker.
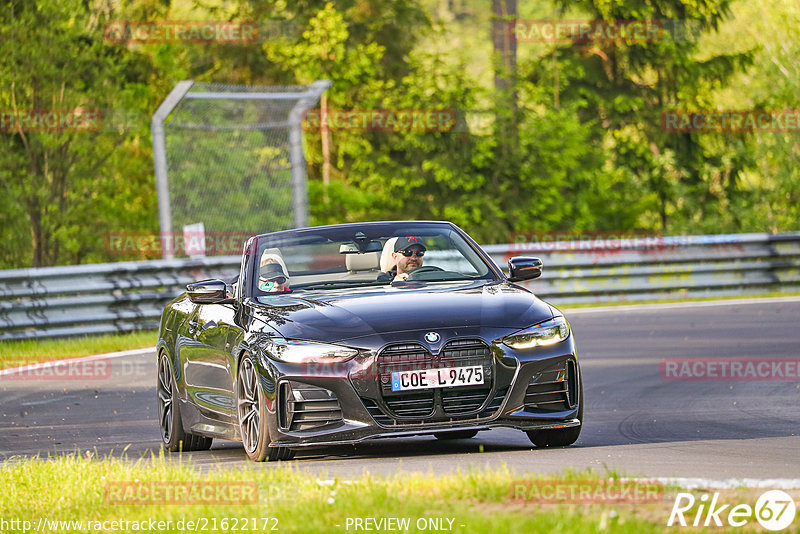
(457, 434)
(252, 414)
(169, 414)
(558, 437)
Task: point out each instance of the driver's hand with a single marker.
(401, 277)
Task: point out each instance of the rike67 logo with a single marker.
(774, 510)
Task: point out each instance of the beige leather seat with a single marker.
(387, 262)
(362, 262)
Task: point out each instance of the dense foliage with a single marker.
(564, 137)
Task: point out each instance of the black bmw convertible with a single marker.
(344, 333)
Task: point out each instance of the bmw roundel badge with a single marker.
(432, 337)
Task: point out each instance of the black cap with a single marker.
(271, 271)
(403, 243)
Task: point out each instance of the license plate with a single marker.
(437, 378)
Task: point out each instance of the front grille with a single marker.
(305, 407)
(411, 404)
(435, 404)
(553, 389)
(398, 358)
(464, 400)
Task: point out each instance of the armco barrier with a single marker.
(648, 268)
(98, 298)
(118, 297)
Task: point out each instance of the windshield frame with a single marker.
(371, 229)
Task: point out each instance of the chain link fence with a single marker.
(230, 157)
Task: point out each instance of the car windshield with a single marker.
(355, 255)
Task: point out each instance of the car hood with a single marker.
(377, 313)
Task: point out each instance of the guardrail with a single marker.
(124, 296)
(653, 268)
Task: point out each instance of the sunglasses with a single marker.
(279, 280)
(408, 253)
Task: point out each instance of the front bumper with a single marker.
(348, 403)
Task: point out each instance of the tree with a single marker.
(626, 85)
(54, 63)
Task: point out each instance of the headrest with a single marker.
(387, 263)
(362, 262)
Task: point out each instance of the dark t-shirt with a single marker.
(388, 276)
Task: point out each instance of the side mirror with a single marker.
(524, 268)
(208, 292)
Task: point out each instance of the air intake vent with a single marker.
(554, 389)
(572, 383)
(305, 407)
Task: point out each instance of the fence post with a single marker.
(160, 161)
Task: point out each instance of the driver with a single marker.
(407, 256)
(271, 277)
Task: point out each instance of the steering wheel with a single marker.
(424, 269)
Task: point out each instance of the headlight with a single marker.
(291, 351)
(549, 332)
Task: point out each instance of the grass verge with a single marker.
(16, 353)
(94, 492)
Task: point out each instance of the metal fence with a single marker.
(217, 145)
(118, 297)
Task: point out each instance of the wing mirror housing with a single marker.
(524, 268)
(208, 292)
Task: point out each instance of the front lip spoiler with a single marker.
(429, 430)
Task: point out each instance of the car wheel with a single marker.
(169, 414)
(559, 437)
(458, 434)
(251, 408)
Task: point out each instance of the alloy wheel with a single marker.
(165, 398)
(249, 405)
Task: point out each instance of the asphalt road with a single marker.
(635, 421)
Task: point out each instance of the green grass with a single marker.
(75, 487)
(16, 353)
